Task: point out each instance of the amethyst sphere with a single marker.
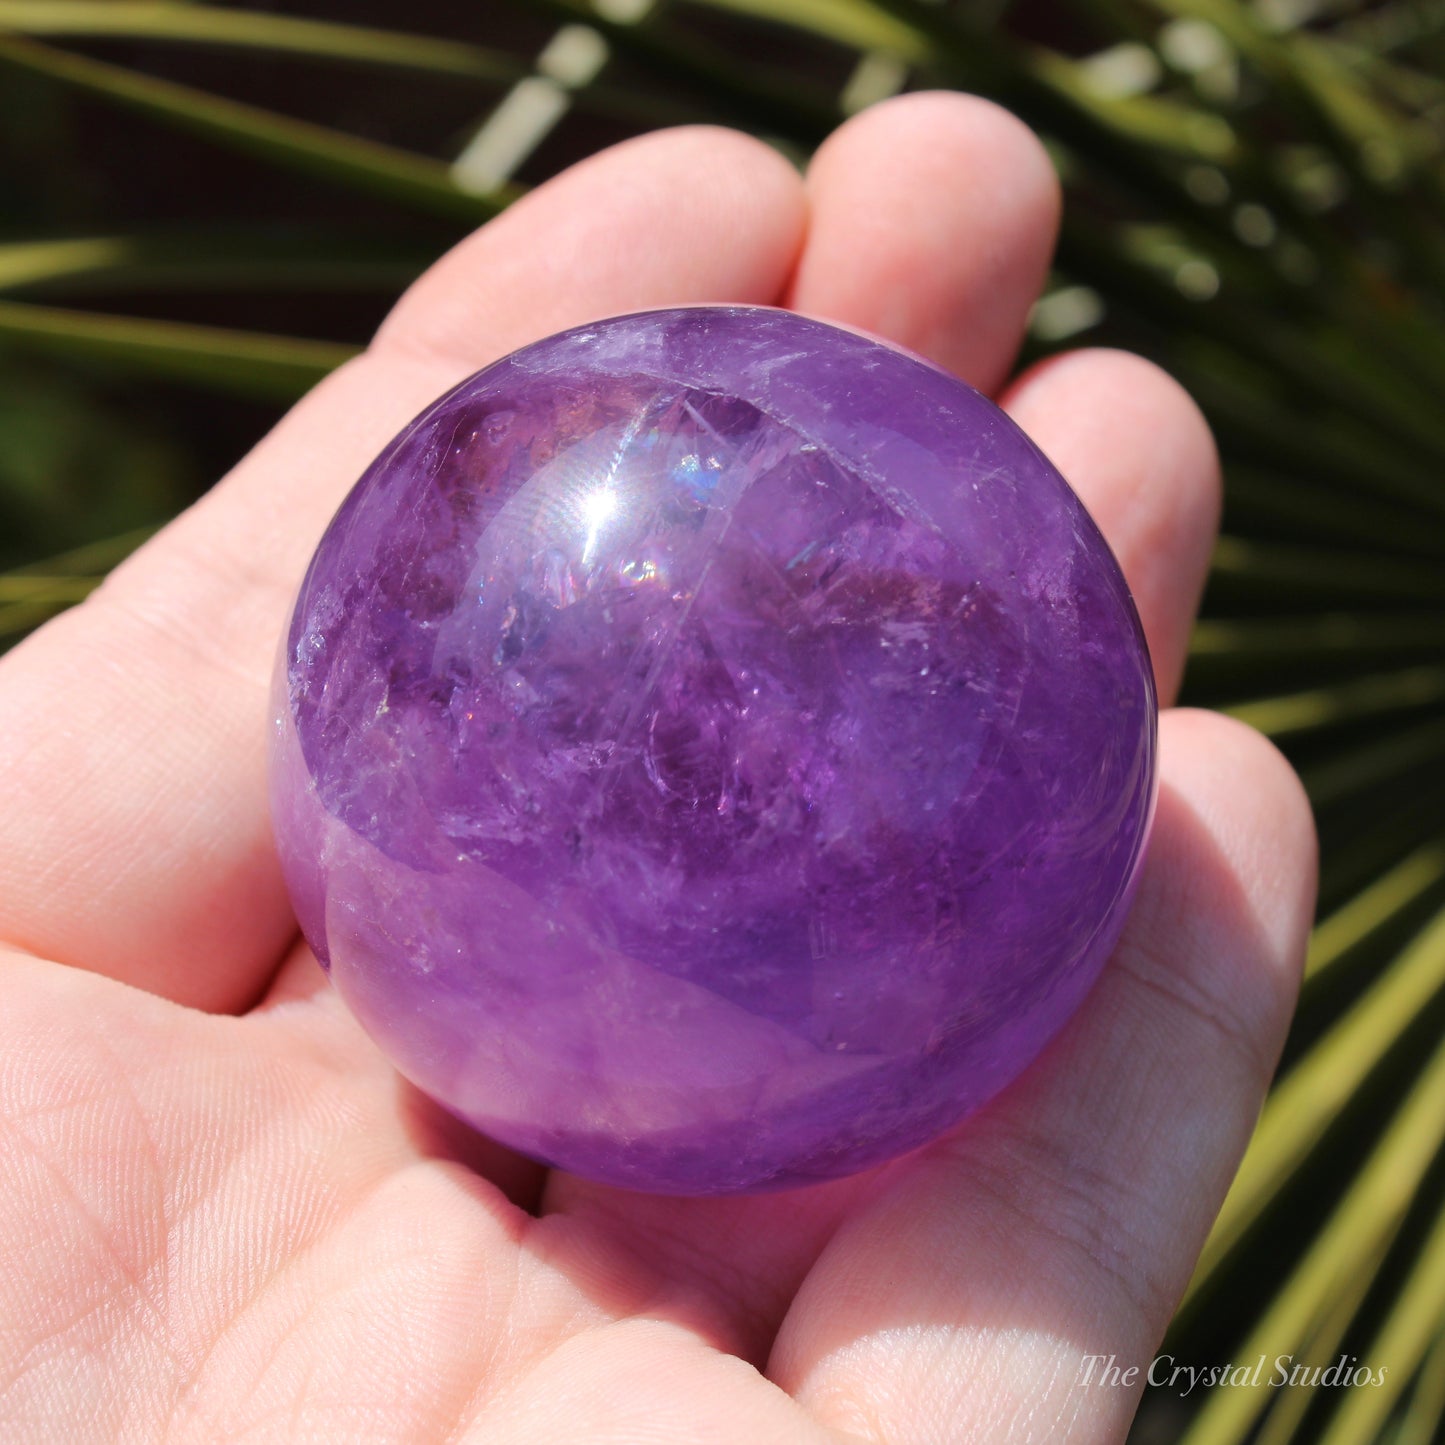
(712, 750)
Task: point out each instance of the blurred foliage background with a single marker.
(207, 206)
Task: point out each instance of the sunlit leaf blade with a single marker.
(94, 559)
(844, 22)
(1342, 1259)
(32, 594)
(44, 589)
(1368, 434)
(241, 257)
(309, 39)
(1421, 1421)
(385, 170)
(1314, 1091)
(259, 30)
(1239, 657)
(1165, 124)
(17, 618)
(1251, 569)
(1373, 907)
(1414, 1321)
(1285, 1408)
(1335, 110)
(251, 363)
(22, 613)
(1266, 498)
(1357, 853)
(790, 109)
(1397, 753)
(25, 262)
(1374, 695)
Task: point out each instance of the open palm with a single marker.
(222, 1214)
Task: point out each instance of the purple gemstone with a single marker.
(713, 750)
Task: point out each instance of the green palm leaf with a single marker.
(198, 259)
(259, 30)
(294, 144)
(268, 366)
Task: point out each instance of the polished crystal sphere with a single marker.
(712, 750)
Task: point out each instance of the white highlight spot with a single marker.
(595, 509)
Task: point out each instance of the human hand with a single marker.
(224, 1217)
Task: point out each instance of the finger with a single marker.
(1139, 454)
(697, 214)
(135, 839)
(933, 217)
(1062, 1222)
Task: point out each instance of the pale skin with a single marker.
(223, 1216)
